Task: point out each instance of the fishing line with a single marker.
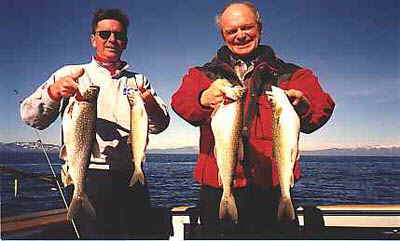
(58, 183)
(54, 175)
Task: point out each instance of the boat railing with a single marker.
(19, 175)
(379, 220)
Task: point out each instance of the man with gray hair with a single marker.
(244, 60)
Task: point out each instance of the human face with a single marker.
(109, 49)
(240, 30)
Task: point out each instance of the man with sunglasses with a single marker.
(120, 211)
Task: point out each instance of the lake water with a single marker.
(326, 180)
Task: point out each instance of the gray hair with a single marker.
(250, 5)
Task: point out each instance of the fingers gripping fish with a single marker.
(286, 129)
(79, 128)
(226, 124)
(138, 135)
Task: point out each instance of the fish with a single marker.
(79, 129)
(226, 124)
(285, 148)
(138, 135)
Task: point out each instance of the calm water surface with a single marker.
(326, 180)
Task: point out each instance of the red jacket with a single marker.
(262, 169)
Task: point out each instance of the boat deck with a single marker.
(179, 223)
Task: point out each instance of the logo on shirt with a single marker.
(128, 90)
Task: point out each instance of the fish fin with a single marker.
(88, 207)
(241, 150)
(271, 97)
(73, 208)
(63, 153)
(70, 107)
(219, 180)
(137, 176)
(219, 176)
(143, 160)
(79, 203)
(96, 149)
(286, 210)
(65, 176)
(292, 181)
(294, 156)
(297, 155)
(227, 209)
(216, 109)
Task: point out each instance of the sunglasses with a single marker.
(118, 35)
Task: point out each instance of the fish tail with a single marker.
(79, 203)
(286, 209)
(138, 176)
(227, 209)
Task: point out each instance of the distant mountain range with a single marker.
(359, 151)
(179, 150)
(28, 147)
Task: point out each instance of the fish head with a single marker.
(133, 95)
(279, 94)
(90, 93)
(235, 92)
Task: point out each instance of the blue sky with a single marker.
(352, 45)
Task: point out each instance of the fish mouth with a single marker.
(90, 94)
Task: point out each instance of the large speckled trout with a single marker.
(79, 128)
(138, 135)
(226, 124)
(286, 129)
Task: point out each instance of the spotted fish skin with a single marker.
(79, 128)
(138, 135)
(226, 124)
(285, 129)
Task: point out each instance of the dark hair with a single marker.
(115, 14)
(250, 5)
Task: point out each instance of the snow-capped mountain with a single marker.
(27, 147)
(377, 150)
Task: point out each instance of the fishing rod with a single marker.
(54, 175)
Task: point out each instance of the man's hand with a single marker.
(65, 86)
(298, 100)
(214, 95)
(144, 93)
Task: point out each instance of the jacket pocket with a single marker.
(262, 128)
